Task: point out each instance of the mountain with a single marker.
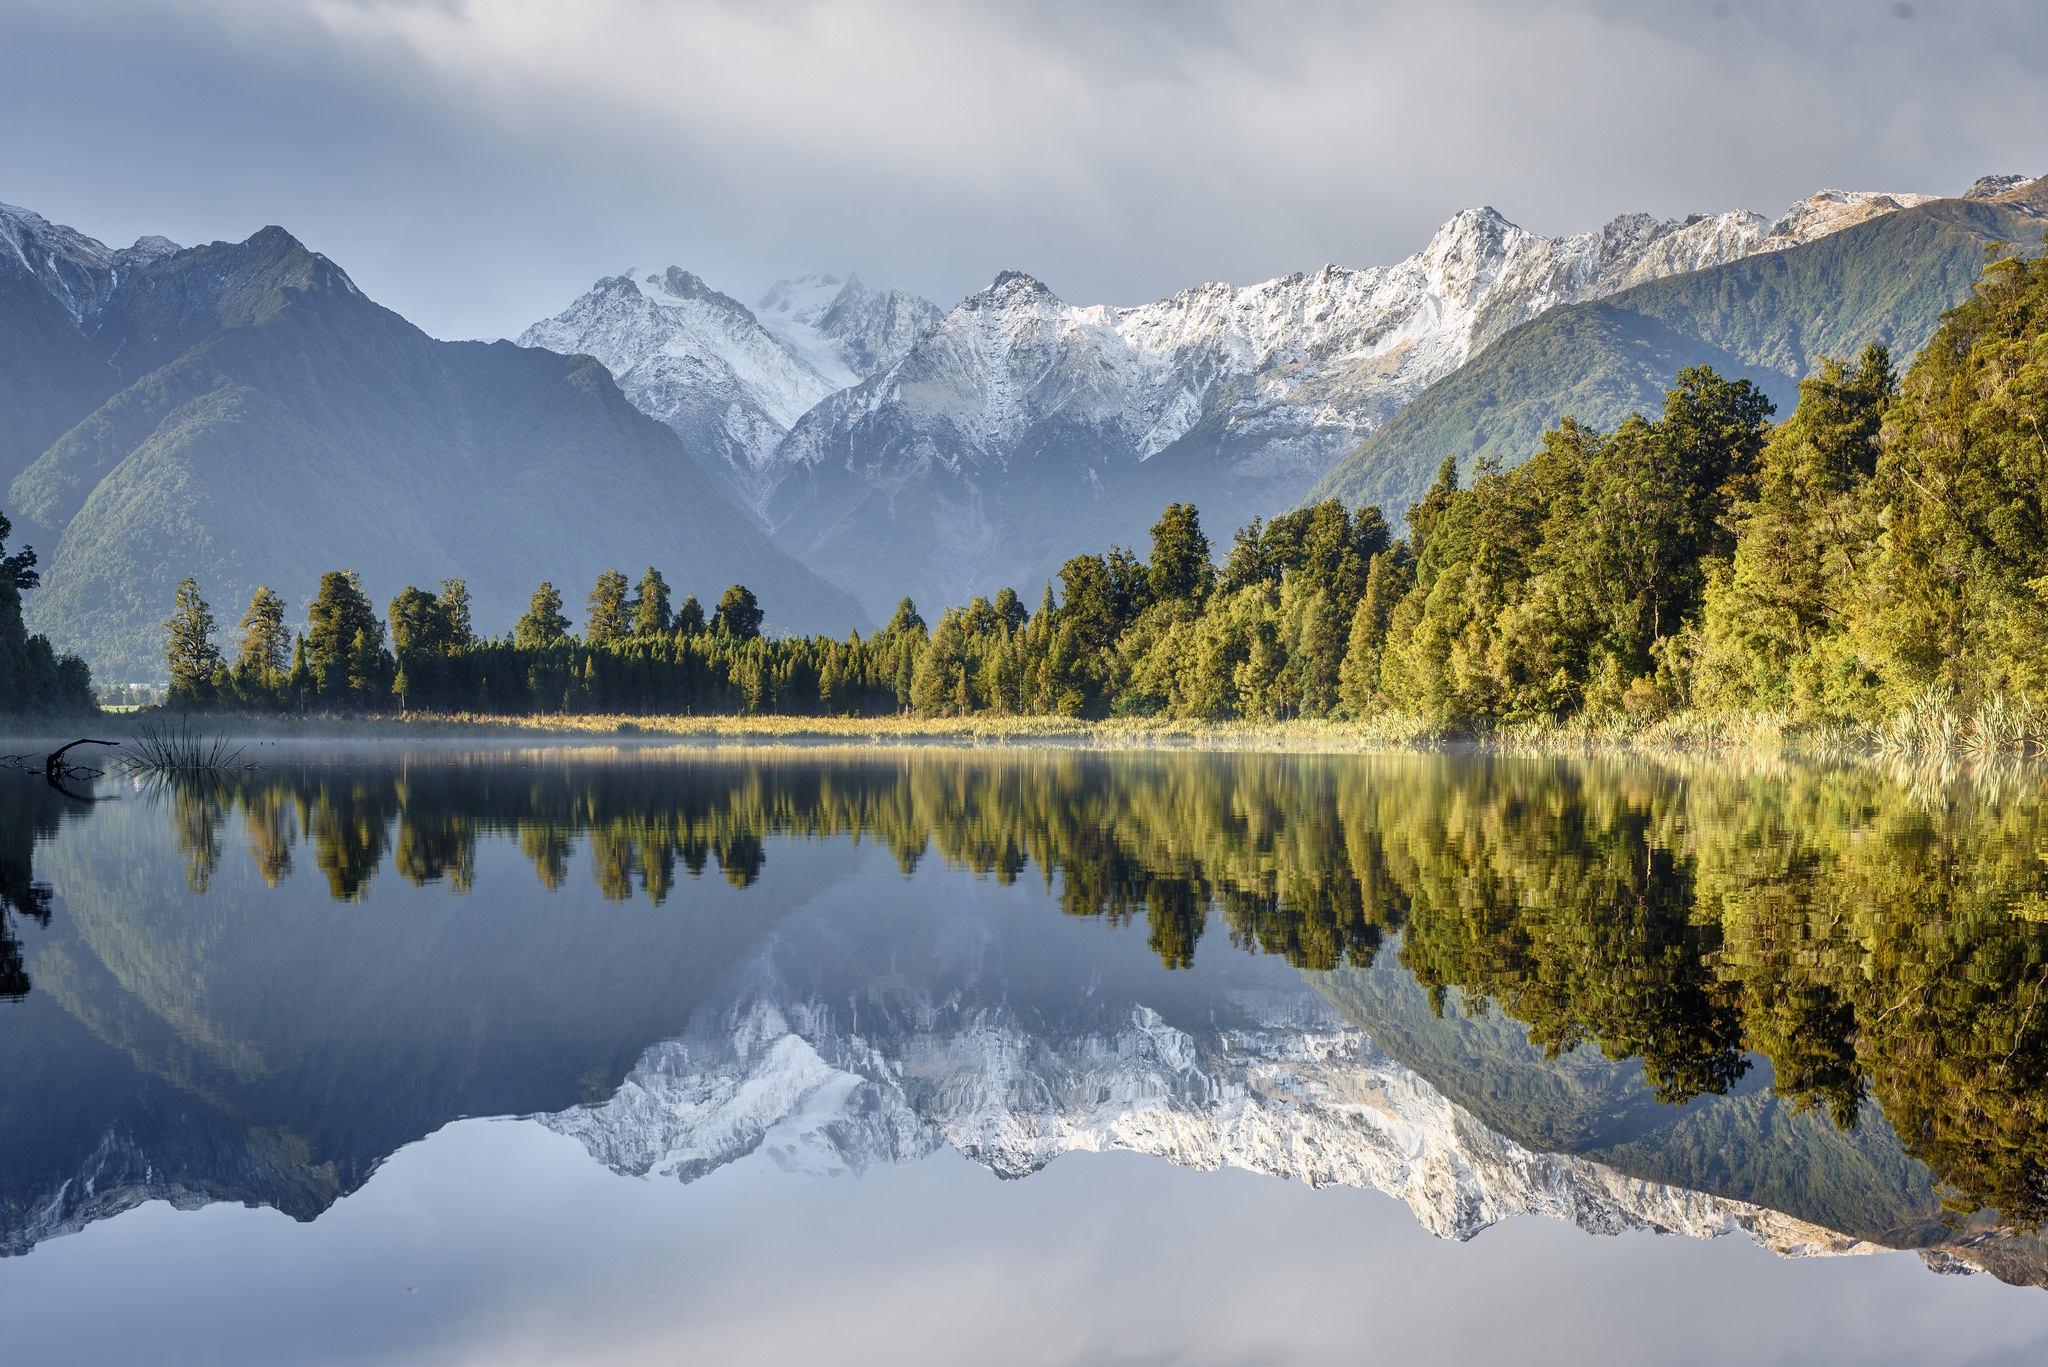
(731, 381)
(242, 413)
(1023, 429)
(1767, 317)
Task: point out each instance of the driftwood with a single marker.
(55, 769)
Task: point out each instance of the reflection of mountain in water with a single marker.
(1793, 955)
(826, 1055)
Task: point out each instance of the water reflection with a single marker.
(1809, 991)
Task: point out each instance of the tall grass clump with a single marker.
(162, 748)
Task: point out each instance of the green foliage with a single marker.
(33, 676)
(1771, 318)
(1180, 570)
(189, 652)
(651, 615)
(690, 617)
(610, 612)
(542, 624)
(738, 616)
(345, 652)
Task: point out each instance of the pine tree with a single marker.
(543, 624)
(651, 615)
(189, 650)
(607, 618)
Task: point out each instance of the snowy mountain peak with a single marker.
(78, 271)
(1274, 1082)
(1830, 211)
(728, 380)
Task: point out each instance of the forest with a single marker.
(1883, 548)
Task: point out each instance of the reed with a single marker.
(162, 748)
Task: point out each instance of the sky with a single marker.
(476, 164)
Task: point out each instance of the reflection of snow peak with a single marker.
(1285, 1089)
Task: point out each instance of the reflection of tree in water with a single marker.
(1869, 937)
(30, 810)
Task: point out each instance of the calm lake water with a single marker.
(471, 1055)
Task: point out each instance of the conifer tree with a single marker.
(266, 646)
(345, 642)
(651, 616)
(543, 624)
(608, 618)
(455, 603)
(189, 650)
(690, 617)
(1180, 570)
(738, 616)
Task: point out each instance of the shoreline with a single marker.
(1681, 735)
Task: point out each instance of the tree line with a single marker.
(1886, 543)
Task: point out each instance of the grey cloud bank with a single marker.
(476, 163)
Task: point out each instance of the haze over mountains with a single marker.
(1020, 429)
(242, 413)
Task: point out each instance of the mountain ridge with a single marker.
(254, 418)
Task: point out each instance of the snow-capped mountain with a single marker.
(77, 271)
(1273, 1082)
(729, 381)
(1023, 428)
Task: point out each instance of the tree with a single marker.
(424, 623)
(345, 642)
(543, 624)
(33, 677)
(266, 645)
(1180, 569)
(651, 616)
(905, 622)
(189, 650)
(690, 617)
(738, 615)
(608, 617)
(455, 602)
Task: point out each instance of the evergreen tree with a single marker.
(425, 623)
(738, 616)
(690, 617)
(905, 622)
(345, 642)
(33, 677)
(543, 623)
(1010, 611)
(651, 616)
(455, 603)
(1180, 570)
(189, 650)
(609, 617)
(266, 645)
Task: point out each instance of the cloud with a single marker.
(474, 162)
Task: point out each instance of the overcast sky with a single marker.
(475, 164)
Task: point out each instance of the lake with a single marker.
(455, 1053)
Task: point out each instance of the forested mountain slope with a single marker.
(243, 414)
(1768, 317)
